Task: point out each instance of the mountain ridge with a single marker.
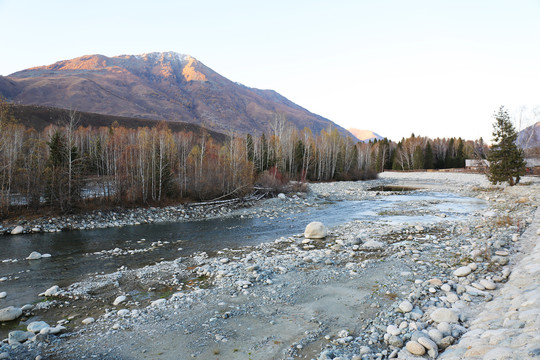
(162, 86)
(529, 138)
(365, 135)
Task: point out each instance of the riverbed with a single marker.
(249, 285)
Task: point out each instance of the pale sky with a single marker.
(436, 68)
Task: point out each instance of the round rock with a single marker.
(444, 315)
(462, 271)
(120, 299)
(488, 284)
(34, 255)
(52, 291)
(19, 336)
(37, 326)
(17, 230)
(393, 330)
(10, 313)
(405, 306)
(415, 348)
(315, 230)
(88, 321)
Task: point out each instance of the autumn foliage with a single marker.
(67, 166)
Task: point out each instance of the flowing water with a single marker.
(73, 257)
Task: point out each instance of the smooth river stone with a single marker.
(415, 348)
(406, 306)
(444, 315)
(488, 284)
(315, 230)
(462, 271)
(10, 313)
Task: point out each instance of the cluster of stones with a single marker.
(124, 217)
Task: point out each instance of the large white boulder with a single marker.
(444, 315)
(315, 230)
(17, 230)
(34, 256)
(120, 299)
(37, 326)
(462, 271)
(52, 291)
(10, 313)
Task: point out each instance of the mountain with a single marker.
(39, 117)
(529, 137)
(159, 86)
(365, 135)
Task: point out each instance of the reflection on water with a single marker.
(69, 262)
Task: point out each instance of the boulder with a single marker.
(19, 336)
(3, 294)
(88, 321)
(55, 330)
(52, 291)
(415, 348)
(158, 302)
(10, 313)
(430, 346)
(37, 326)
(123, 312)
(444, 315)
(34, 256)
(406, 306)
(488, 284)
(373, 244)
(315, 230)
(120, 299)
(462, 271)
(17, 230)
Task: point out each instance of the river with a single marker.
(74, 252)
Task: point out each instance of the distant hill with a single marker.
(529, 138)
(39, 117)
(365, 135)
(157, 86)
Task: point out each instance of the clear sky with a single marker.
(437, 68)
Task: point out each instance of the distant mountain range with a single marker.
(158, 86)
(529, 138)
(365, 135)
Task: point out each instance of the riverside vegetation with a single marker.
(368, 290)
(68, 167)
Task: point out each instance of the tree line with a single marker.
(67, 166)
(419, 152)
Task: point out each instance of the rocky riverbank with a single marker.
(124, 217)
(369, 290)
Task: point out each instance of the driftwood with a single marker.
(253, 197)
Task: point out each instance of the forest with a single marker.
(68, 166)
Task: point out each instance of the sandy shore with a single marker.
(369, 290)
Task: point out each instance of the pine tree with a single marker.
(428, 157)
(506, 161)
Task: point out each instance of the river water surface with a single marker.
(73, 257)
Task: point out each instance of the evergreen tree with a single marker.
(428, 157)
(449, 158)
(250, 148)
(418, 158)
(506, 161)
(460, 155)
